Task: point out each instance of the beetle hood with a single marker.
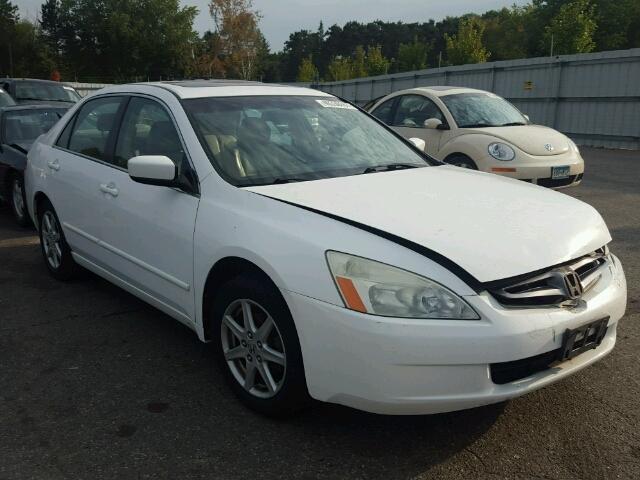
(532, 139)
(493, 227)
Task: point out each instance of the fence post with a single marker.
(556, 94)
(493, 79)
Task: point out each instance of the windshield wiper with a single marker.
(286, 180)
(45, 99)
(513, 124)
(18, 147)
(389, 167)
(478, 125)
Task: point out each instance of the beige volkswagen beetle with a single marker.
(480, 130)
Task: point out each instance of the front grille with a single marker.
(508, 372)
(554, 287)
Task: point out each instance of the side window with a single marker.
(147, 129)
(383, 112)
(93, 127)
(413, 110)
(63, 139)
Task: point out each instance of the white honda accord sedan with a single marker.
(323, 255)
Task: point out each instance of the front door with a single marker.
(410, 114)
(148, 230)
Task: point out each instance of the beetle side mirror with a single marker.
(432, 123)
(418, 143)
(153, 170)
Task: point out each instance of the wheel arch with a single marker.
(38, 199)
(224, 270)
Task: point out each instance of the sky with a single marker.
(282, 17)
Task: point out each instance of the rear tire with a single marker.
(55, 249)
(17, 199)
(258, 347)
(462, 161)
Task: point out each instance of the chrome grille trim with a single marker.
(550, 288)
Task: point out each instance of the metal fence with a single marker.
(85, 89)
(594, 98)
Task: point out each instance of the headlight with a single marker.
(379, 289)
(501, 151)
(573, 145)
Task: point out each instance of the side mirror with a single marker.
(527, 117)
(418, 143)
(153, 170)
(432, 123)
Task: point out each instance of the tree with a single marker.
(466, 46)
(359, 63)
(237, 24)
(307, 71)
(508, 31)
(412, 56)
(340, 69)
(377, 63)
(572, 29)
(120, 40)
(8, 19)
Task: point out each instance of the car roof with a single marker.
(443, 90)
(34, 80)
(186, 89)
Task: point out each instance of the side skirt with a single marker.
(142, 295)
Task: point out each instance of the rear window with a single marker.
(24, 126)
(44, 91)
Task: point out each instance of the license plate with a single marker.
(581, 339)
(560, 172)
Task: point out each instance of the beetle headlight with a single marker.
(573, 145)
(501, 151)
(379, 289)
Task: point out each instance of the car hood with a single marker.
(493, 227)
(531, 139)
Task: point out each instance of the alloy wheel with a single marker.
(18, 198)
(253, 348)
(51, 239)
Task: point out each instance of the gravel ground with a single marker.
(96, 384)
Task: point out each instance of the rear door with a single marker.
(75, 170)
(147, 230)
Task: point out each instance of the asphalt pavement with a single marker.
(96, 384)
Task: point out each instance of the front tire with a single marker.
(55, 249)
(462, 161)
(258, 347)
(17, 199)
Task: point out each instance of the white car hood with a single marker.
(493, 227)
(532, 139)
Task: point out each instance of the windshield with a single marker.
(482, 110)
(24, 126)
(259, 140)
(51, 92)
(5, 99)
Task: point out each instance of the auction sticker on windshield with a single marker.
(335, 104)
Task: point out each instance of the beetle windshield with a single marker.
(478, 109)
(24, 126)
(260, 140)
(45, 91)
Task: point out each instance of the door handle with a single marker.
(109, 189)
(54, 165)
